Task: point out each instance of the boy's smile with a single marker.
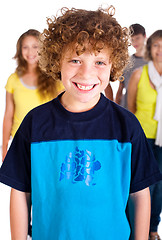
(84, 87)
(84, 78)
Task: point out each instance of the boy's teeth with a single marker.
(82, 87)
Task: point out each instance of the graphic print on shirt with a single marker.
(80, 165)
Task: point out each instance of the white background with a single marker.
(18, 16)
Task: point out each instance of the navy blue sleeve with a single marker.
(145, 170)
(16, 168)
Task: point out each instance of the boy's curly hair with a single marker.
(46, 85)
(77, 27)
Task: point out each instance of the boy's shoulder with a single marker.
(42, 109)
(122, 113)
(36, 118)
(126, 123)
(40, 112)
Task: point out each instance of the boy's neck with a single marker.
(77, 107)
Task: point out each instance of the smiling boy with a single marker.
(84, 77)
(81, 156)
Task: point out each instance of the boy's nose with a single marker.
(86, 71)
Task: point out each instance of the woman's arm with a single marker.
(132, 90)
(139, 208)
(19, 214)
(7, 123)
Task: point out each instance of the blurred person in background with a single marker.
(27, 87)
(138, 38)
(145, 101)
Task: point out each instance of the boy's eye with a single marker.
(75, 61)
(100, 63)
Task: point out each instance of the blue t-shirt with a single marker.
(80, 169)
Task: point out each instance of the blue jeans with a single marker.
(156, 190)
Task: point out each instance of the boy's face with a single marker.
(138, 41)
(84, 78)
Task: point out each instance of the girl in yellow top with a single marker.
(145, 101)
(27, 88)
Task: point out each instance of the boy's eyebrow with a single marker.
(70, 56)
